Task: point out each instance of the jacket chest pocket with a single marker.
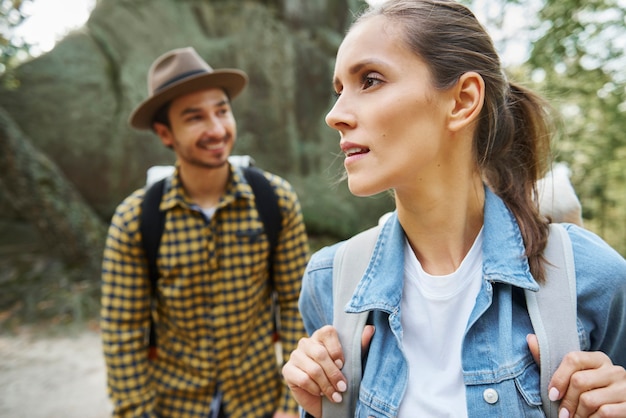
(514, 396)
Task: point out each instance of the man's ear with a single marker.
(469, 96)
(164, 133)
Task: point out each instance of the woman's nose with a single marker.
(339, 117)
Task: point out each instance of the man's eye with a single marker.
(223, 111)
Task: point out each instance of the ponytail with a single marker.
(514, 153)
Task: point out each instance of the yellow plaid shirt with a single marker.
(213, 315)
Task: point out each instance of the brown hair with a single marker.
(512, 140)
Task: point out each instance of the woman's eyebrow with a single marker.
(355, 68)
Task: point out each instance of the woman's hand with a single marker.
(587, 383)
(280, 414)
(314, 368)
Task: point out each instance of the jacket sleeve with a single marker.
(125, 314)
(316, 298)
(601, 288)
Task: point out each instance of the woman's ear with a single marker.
(469, 96)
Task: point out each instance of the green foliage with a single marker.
(577, 60)
(11, 16)
(38, 286)
(581, 66)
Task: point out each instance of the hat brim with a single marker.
(232, 81)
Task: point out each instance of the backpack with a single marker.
(152, 221)
(555, 302)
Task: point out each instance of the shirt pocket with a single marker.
(249, 251)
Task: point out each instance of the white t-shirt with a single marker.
(434, 314)
(209, 212)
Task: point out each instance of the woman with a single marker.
(424, 109)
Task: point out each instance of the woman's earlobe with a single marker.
(469, 96)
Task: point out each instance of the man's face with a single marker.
(202, 128)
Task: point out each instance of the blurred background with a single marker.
(71, 71)
(70, 74)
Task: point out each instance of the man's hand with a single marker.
(587, 383)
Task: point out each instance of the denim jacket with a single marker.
(501, 377)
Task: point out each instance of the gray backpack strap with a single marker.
(556, 301)
(557, 333)
(349, 265)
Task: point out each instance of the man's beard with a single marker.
(191, 159)
(210, 165)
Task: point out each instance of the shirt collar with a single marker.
(175, 195)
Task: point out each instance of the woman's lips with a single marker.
(351, 149)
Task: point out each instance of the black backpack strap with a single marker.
(266, 205)
(269, 212)
(151, 223)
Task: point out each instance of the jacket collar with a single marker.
(504, 253)
(504, 259)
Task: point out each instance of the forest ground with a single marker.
(51, 361)
(58, 374)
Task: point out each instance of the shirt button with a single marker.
(490, 396)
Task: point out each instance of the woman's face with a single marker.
(391, 119)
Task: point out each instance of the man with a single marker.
(212, 314)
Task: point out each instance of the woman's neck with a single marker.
(442, 223)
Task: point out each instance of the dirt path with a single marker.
(52, 377)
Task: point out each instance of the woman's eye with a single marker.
(370, 80)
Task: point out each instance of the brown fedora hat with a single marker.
(178, 72)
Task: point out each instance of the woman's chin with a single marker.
(363, 189)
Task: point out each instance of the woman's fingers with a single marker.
(327, 336)
(366, 338)
(589, 383)
(533, 345)
(322, 361)
(314, 370)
